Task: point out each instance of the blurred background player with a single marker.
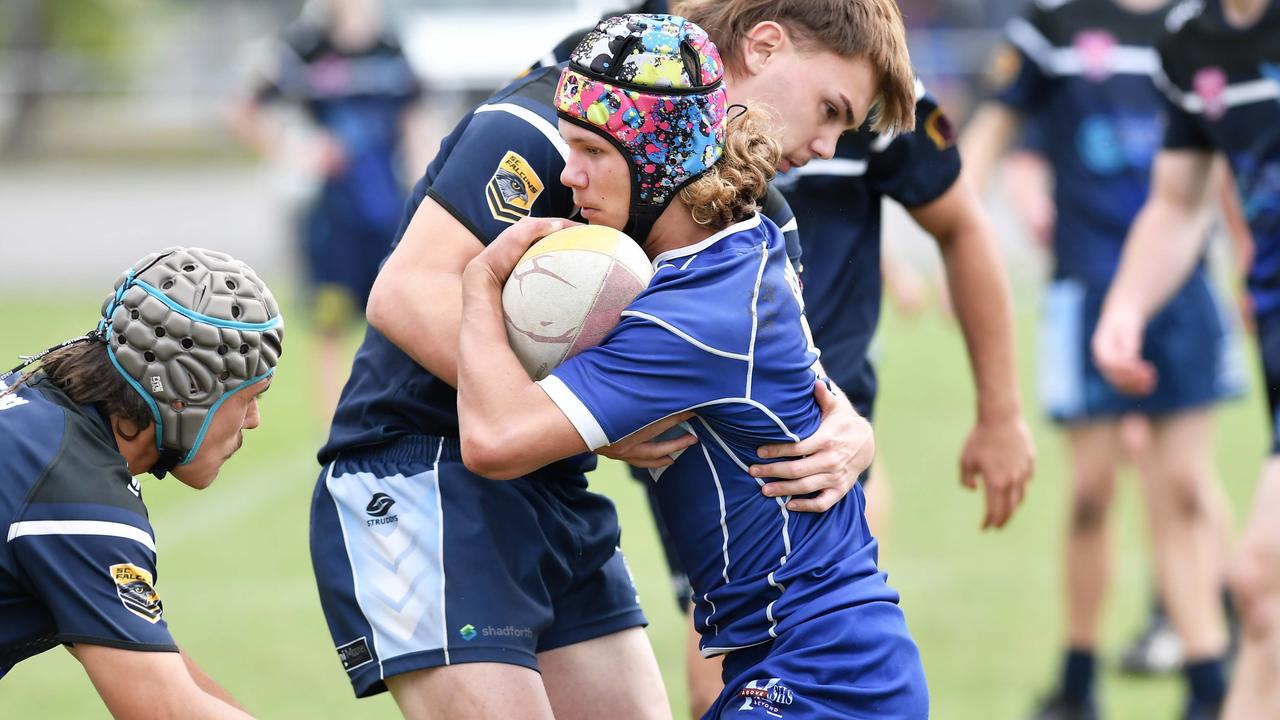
(1084, 70)
(1220, 73)
(155, 388)
(342, 67)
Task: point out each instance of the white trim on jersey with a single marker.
(724, 516)
(698, 247)
(836, 167)
(351, 563)
(755, 317)
(882, 143)
(538, 122)
(27, 528)
(684, 335)
(1243, 93)
(709, 652)
(1120, 60)
(574, 409)
(791, 226)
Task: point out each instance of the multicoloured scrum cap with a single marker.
(652, 85)
(188, 328)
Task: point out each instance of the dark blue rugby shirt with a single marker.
(79, 559)
(839, 201)
(1223, 93)
(1084, 69)
(502, 162)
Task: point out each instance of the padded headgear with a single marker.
(652, 85)
(188, 328)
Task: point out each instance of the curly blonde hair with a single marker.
(729, 192)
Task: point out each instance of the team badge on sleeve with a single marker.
(1004, 67)
(939, 129)
(512, 189)
(133, 585)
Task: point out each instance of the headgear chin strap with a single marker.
(652, 85)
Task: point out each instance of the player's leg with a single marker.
(703, 674)
(1177, 481)
(471, 690)
(613, 676)
(1255, 582)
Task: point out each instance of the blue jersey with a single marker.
(720, 330)
(79, 560)
(1223, 94)
(501, 163)
(840, 201)
(1084, 69)
(360, 97)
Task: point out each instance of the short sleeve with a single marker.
(642, 372)
(1016, 76)
(505, 166)
(1181, 131)
(917, 167)
(97, 580)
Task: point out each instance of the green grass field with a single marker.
(237, 585)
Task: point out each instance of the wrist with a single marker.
(999, 411)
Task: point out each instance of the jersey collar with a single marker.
(748, 224)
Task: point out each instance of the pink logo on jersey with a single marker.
(1210, 83)
(1095, 49)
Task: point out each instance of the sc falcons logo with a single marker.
(378, 508)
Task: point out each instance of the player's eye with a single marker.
(832, 113)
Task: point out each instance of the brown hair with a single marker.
(870, 29)
(729, 191)
(85, 373)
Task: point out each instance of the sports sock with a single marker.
(1077, 675)
(1207, 681)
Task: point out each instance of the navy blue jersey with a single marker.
(1223, 94)
(1084, 69)
(360, 97)
(720, 330)
(840, 200)
(501, 163)
(79, 560)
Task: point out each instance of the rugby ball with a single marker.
(568, 291)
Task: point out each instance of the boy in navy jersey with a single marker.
(1084, 69)
(794, 601)
(167, 383)
(1221, 79)
(451, 620)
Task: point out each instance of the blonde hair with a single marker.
(729, 192)
(870, 29)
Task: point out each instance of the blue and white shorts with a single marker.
(421, 563)
(1191, 342)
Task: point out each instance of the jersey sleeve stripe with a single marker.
(839, 167)
(81, 527)
(1028, 39)
(539, 123)
(574, 409)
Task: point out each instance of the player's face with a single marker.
(598, 176)
(816, 96)
(224, 436)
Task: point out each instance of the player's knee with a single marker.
(1254, 578)
(1089, 512)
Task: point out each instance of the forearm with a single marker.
(1160, 251)
(985, 138)
(981, 298)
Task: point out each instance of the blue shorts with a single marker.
(859, 662)
(1191, 343)
(342, 250)
(421, 563)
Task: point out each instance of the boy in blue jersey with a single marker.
(452, 623)
(1085, 69)
(794, 601)
(1221, 80)
(167, 383)
(347, 73)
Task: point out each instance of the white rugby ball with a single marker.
(568, 291)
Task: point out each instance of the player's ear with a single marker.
(761, 44)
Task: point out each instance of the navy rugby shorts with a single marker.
(421, 563)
